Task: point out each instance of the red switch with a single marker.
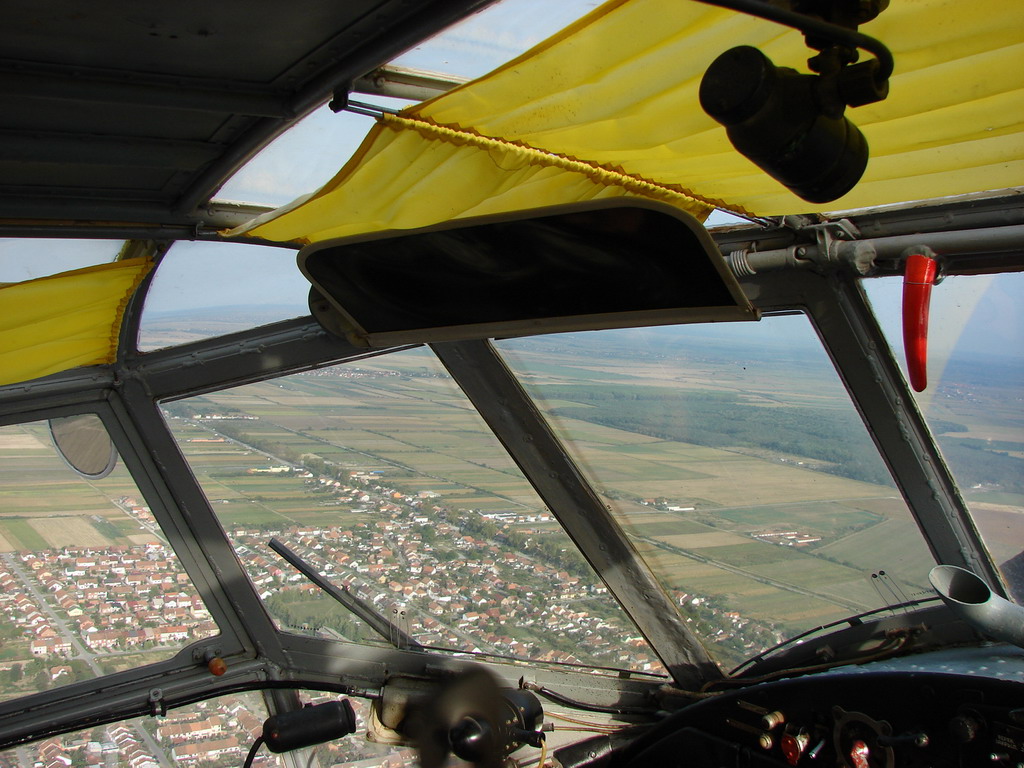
(860, 755)
(793, 746)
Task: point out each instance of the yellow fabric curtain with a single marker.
(66, 320)
(609, 107)
(443, 175)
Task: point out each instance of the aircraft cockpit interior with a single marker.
(510, 384)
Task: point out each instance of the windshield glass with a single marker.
(216, 733)
(206, 289)
(736, 462)
(382, 476)
(973, 401)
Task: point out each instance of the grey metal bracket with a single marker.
(822, 247)
(829, 256)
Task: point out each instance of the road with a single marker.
(56, 620)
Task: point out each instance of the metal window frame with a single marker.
(524, 432)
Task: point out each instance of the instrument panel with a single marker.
(945, 710)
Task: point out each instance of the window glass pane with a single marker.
(28, 258)
(88, 585)
(309, 154)
(384, 478)
(304, 158)
(735, 460)
(973, 401)
(119, 744)
(205, 289)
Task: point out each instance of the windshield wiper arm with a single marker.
(377, 622)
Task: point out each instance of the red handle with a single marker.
(918, 278)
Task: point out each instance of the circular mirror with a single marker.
(83, 443)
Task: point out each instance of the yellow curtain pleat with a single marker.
(443, 176)
(67, 320)
(617, 91)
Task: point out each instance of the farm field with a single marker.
(45, 506)
(733, 493)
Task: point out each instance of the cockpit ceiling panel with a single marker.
(613, 98)
(129, 112)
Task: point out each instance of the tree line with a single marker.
(724, 420)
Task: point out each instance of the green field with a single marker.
(22, 535)
(44, 505)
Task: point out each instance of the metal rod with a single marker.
(960, 244)
(963, 246)
(367, 613)
(406, 83)
(363, 108)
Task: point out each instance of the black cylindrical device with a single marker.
(310, 725)
(791, 125)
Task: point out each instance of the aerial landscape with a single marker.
(736, 463)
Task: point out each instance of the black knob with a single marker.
(965, 728)
(472, 739)
(918, 739)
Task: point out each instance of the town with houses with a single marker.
(458, 585)
(488, 583)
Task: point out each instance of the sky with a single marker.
(973, 316)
